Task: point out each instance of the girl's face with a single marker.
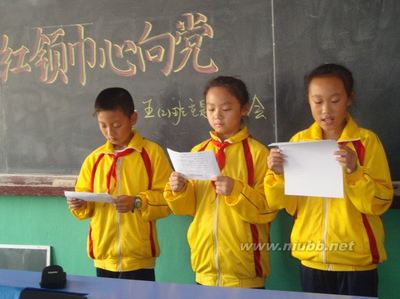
(329, 100)
(116, 127)
(224, 112)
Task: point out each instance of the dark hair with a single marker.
(235, 86)
(331, 70)
(115, 98)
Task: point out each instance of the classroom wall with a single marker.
(47, 221)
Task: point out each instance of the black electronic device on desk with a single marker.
(53, 280)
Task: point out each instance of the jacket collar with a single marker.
(350, 132)
(238, 137)
(135, 143)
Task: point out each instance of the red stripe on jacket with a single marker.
(253, 227)
(90, 249)
(147, 165)
(94, 171)
(372, 241)
(90, 240)
(360, 150)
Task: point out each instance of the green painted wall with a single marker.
(47, 221)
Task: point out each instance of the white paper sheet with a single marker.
(196, 165)
(89, 196)
(311, 168)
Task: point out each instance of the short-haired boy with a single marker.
(122, 238)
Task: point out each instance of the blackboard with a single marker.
(55, 56)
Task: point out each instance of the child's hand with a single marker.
(275, 161)
(74, 204)
(177, 181)
(347, 158)
(223, 185)
(123, 203)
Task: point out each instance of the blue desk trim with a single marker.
(108, 288)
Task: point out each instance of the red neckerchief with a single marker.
(112, 172)
(220, 155)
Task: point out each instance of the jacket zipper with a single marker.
(325, 233)
(119, 220)
(216, 240)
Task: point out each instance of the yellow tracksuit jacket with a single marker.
(224, 225)
(340, 234)
(125, 241)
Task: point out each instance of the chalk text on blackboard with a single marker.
(54, 53)
(191, 108)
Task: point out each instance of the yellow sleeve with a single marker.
(249, 202)
(83, 185)
(154, 205)
(181, 203)
(370, 188)
(274, 188)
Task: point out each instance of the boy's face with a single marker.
(224, 112)
(116, 127)
(329, 101)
